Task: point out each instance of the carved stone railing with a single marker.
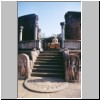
(25, 65)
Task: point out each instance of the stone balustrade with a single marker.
(25, 65)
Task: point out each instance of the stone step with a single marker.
(45, 65)
(49, 66)
(49, 62)
(50, 54)
(50, 59)
(46, 74)
(48, 70)
(51, 51)
(55, 52)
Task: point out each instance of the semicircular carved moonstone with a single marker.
(24, 69)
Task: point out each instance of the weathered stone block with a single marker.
(73, 25)
(29, 22)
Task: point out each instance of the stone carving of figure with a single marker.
(73, 67)
(22, 66)
(55, 40)
(23, 63)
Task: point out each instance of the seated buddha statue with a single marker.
(55, 40)
(54, 44)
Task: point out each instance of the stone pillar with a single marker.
(35, 34)
(39, 34)
(63, 33)
(21, 33)
(36, 30)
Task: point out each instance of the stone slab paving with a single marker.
(73, 90)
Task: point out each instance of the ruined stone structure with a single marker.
(29, 33)
(29, 44)
(28, 25)
(32, 61)
(73, 25)
(71, 44)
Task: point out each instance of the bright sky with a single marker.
(50, 14)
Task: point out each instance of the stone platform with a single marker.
(45, 84)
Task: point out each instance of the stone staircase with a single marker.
(49, 64)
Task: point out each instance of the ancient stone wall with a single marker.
(72, 44)
(29, 22)
(73, 25)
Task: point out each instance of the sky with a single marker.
(50, 14)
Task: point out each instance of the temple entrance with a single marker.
(47, 73)
(49, 66)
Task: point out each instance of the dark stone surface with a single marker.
(28, 22)
(73, 25)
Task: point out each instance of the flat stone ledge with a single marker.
(45, 84)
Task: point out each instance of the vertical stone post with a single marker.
(36, 30)
(21, 33)
(39, 34)
(36, 27)
(63, 33)
(39, 41)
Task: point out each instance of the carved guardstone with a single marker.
(72, 68)
(24, 68)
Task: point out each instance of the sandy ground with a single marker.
(72, 91)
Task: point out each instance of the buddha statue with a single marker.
(54, 44)
(55, 40)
